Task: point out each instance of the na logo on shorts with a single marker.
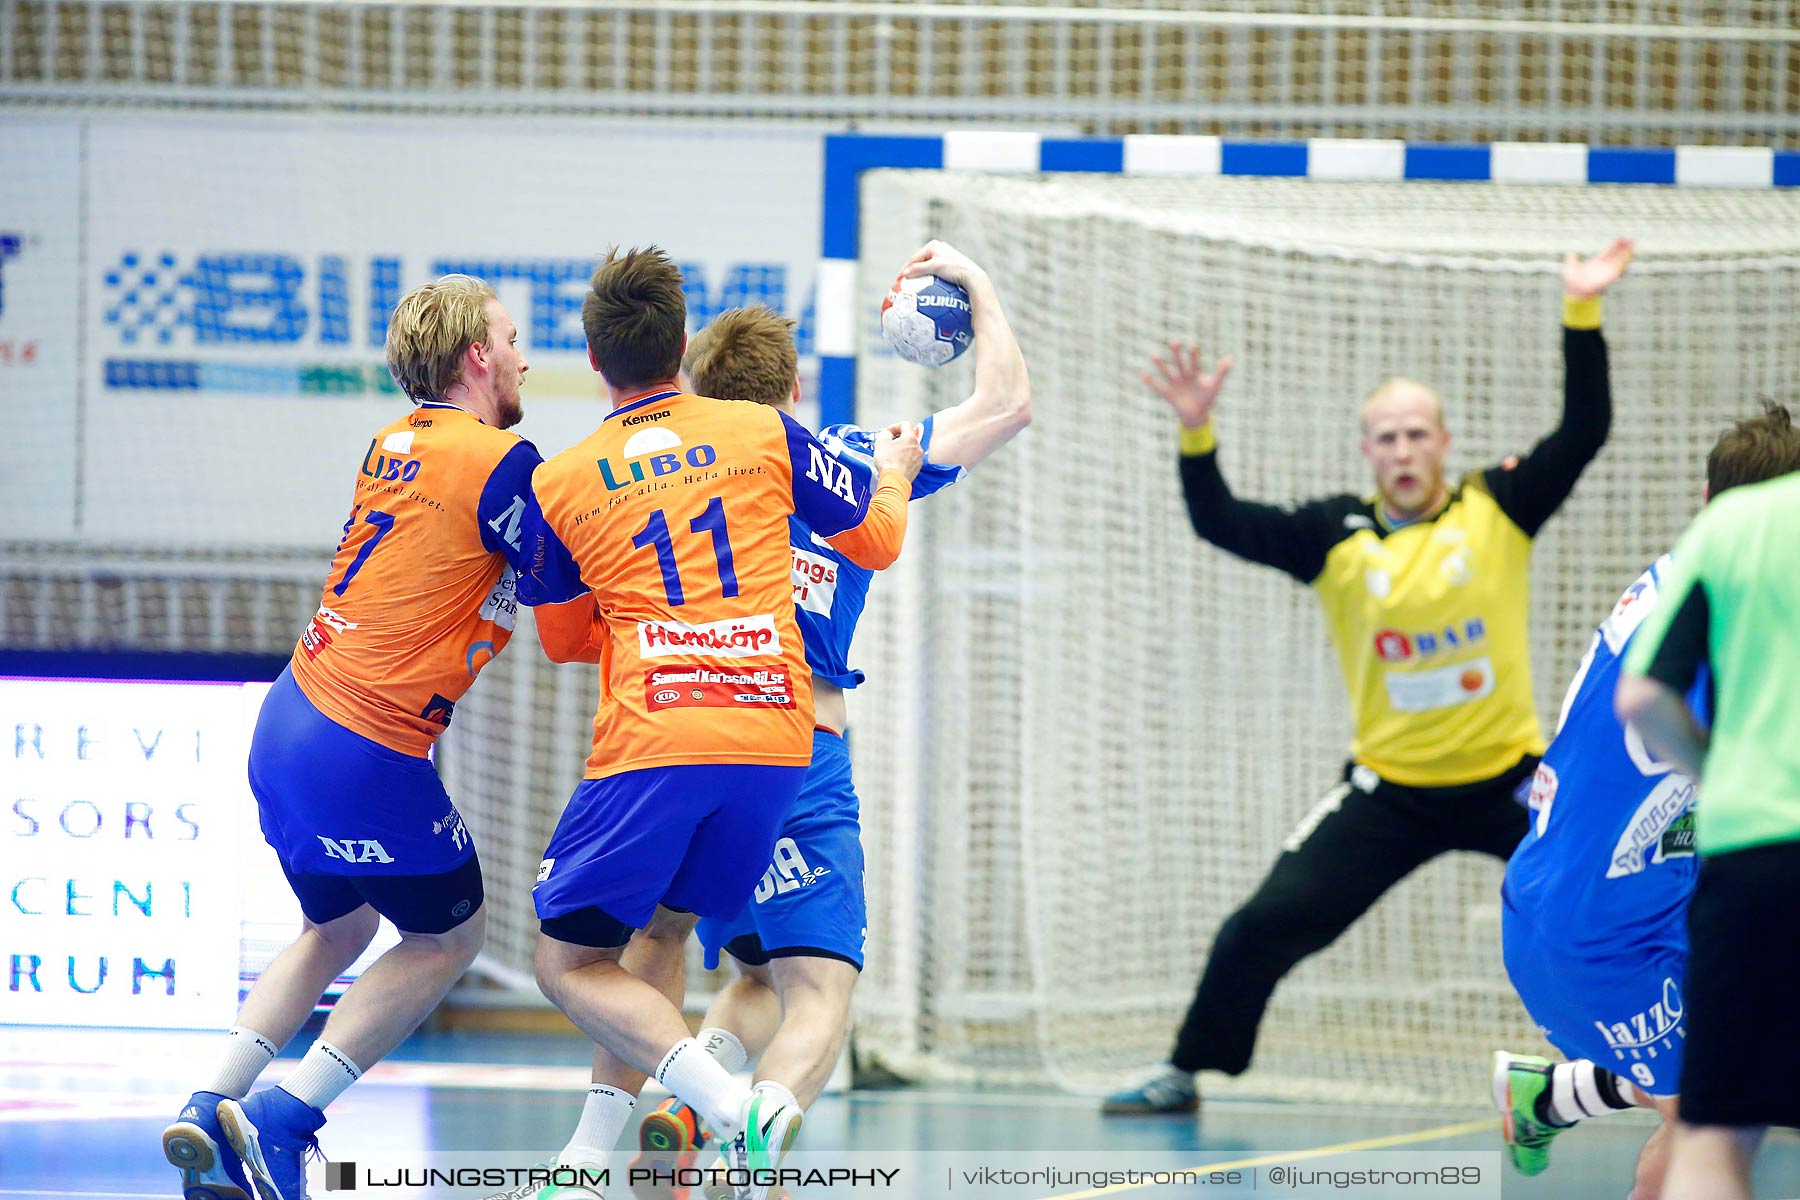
(788, 871)
(355, 850)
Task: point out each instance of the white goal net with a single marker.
(1087, 733)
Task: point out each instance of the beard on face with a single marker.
(510, 409)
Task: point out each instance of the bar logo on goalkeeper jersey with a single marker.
(1395, 646)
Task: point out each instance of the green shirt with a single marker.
(1733, 601)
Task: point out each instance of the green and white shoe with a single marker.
(1520, 1081)
(770, 1130)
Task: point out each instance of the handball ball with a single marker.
(927, 320)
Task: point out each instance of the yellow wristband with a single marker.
(1579, 313)
(1198, 441)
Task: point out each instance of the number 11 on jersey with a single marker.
(655, 534)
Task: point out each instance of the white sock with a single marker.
(247, 1052)
(603, 1119)
(1580, 1089)
(322, 1075)
(725, 1047)
(694, 1075)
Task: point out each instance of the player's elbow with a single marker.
(873, 557)
(562, 650)
(1635, 696)
(1018, 410)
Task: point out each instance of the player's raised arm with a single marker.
(1292, 541)
(1530, 492)
(1000, 405)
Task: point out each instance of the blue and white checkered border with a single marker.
(848, 155)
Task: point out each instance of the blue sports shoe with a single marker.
(1165, 1089)
(195, 1145)
(272, 1132)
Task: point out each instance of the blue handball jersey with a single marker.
(1609, 859)
(830, 590)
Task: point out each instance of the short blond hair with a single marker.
(1397, 383)
(433, 326)
(745, 354)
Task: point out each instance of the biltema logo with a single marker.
(651, 454)
(742, 637)
(275, 297)
(1394, 646)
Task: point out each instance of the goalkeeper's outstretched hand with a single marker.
(1189, 389)
(1585, 278)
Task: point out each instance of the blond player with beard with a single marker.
(1425, 587)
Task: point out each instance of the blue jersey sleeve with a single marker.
(855, 445)
(501, 509)
(548, 574)
(829, 494)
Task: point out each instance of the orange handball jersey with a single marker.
(421, 592)
(674, 514)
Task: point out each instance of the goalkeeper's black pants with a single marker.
(1365, 836)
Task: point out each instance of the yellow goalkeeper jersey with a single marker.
(1429, 619)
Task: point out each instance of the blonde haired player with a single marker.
(419, 599)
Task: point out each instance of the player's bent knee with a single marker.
(816, 985)
(461, 941)
(575, 940)
(349, 934)
(756, 973)
(670, 924)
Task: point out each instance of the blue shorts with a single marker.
(691, 837)
(810, 898)
(335, 804)
(1621, 1010)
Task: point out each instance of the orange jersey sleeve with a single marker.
(875, 544)
(674, 513)
(420, 595)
